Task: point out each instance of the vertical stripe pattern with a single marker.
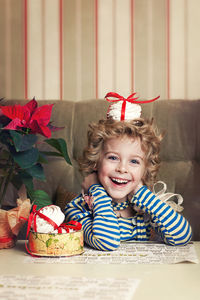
(132, 44)
(25, 49)
(8, 48)
(96, 50)
(61, 46)
(168, 46)
(55, 49)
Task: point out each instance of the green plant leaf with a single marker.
(61, 146)
(36, 171)
(16, 138)
(51, 153)
(26, 159)
(42, 158)
(26, 178)
(23, 142)
(16, 181)
(40, 198)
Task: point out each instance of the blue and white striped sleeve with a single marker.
(173, 227)
(101, 228)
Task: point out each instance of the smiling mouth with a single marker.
(119, 181)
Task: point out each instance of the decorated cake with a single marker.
(49, 236)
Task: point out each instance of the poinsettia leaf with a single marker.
(25, 178)
(42, 158)
(36, 171)
(37, 127)
(40, 198)
(26, 159)
(17, 181)
(42, 114)
(14, 124)
(13, 111)
(16, 138)
(51, 153)
(23, 142)
(61, 146)
(31, 105)
(54, 128)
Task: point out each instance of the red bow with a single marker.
(70, 225)
(130, 99)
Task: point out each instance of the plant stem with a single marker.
(4, 183)
(1, 186)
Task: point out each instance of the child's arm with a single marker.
(101, 228)
(174, 228)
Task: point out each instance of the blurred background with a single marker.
(82, 49)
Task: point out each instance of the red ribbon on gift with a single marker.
(41, 215)
(32, 219)
(70, 225)
(130, 99)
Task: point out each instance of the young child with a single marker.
(120, 164)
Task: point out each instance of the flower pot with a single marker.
(11, 221)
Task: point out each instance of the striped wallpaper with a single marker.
(82, 49)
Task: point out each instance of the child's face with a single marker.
(121, 167)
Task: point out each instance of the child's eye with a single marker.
(135, 161)
(112, 157)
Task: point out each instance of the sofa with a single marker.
(180, 150)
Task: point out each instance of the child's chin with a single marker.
(118, 197)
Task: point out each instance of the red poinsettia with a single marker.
(21, 159)
(37, 119)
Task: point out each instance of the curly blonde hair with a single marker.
(100, 132)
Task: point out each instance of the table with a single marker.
(177, 281)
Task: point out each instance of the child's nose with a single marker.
(121, 167)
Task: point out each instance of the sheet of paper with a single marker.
(128, 253)
(64, 288)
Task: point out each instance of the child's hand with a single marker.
(138, 210)
(89, 199)
(88, 181)
(131, 195)
(140, 184)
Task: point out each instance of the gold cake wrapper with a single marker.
(56, 244)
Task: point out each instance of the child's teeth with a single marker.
(120, 180)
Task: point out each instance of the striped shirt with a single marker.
(103, 230)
